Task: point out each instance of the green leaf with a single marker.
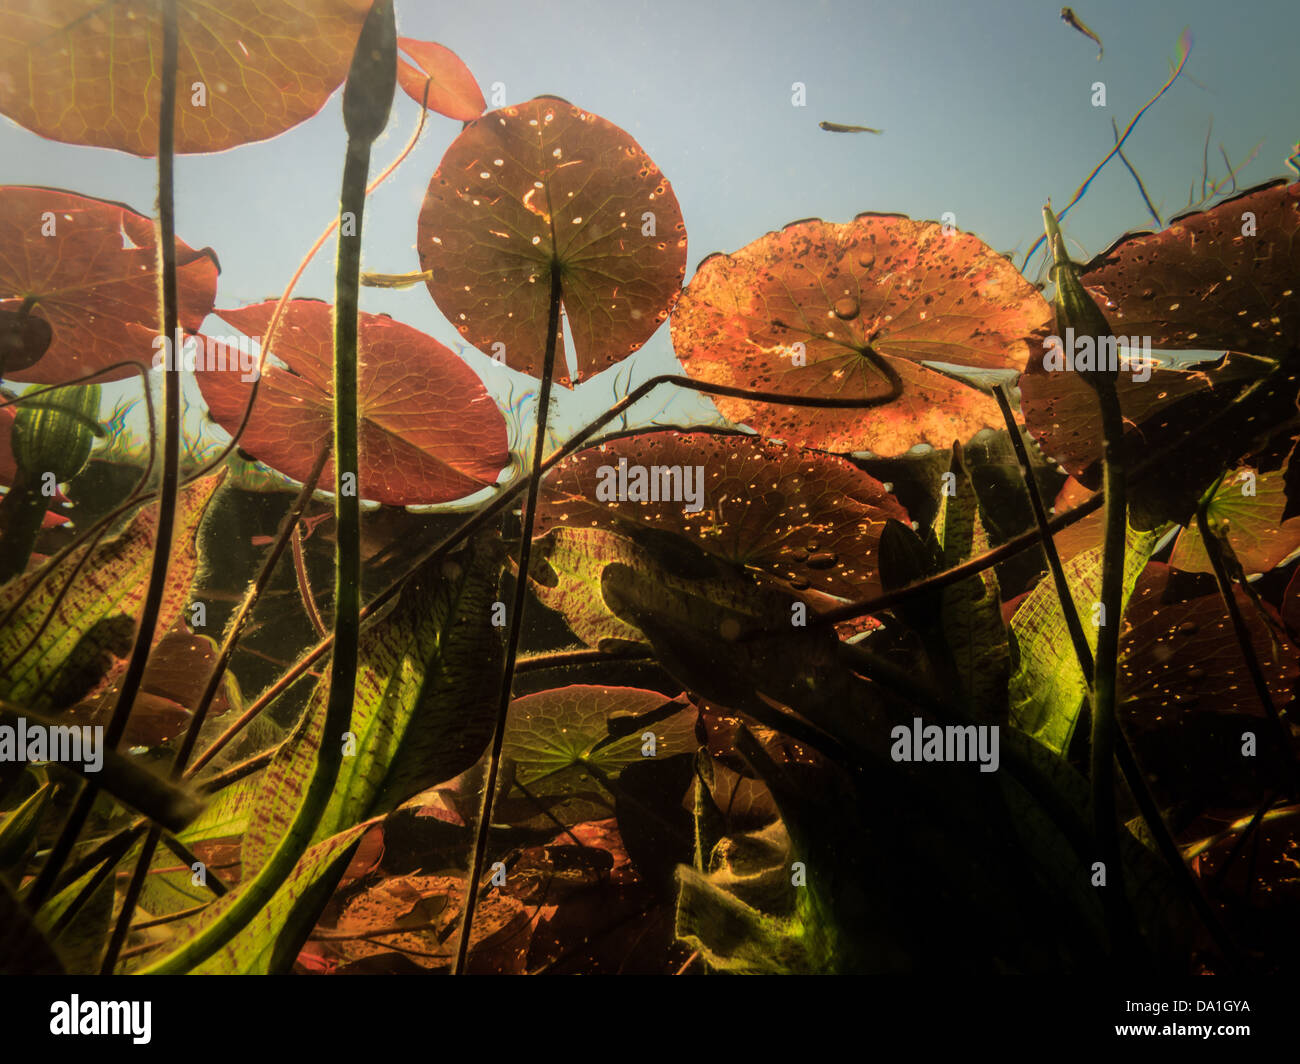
(109, 587)
(971, 611)
(562, 742)
(1048, 688)
(423, 709)
(565, 570)
(270, 941)
(18, 832)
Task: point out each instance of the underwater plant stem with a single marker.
(304, 584)
(1128, 764)
(170, 317)
(1214, 550)
(1104, 727)
(516, 626)
(22, 512)
(367, 99)
(1072, 623)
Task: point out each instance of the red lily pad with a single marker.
(1250, 504)
(452, 89)
(547, 183)
(1177, 655)
(1220, 278)
(429, 430)
(816, 309)
(809, 519)
(93, 278)
(1061, 410)
(87, 72)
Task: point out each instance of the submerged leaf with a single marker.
(110, 587)
(809, 520)
(542, 187)
(1248, 506)
(830, 311)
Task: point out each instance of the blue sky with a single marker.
(986, 108)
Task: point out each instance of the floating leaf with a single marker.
(91, 266)
(429, 430)
(1061, 410)
(1177, 654)
(1249, 506)
(542, 185)
(452, 89)
(808, 519)
(24, 339)
(86, 72)
(826, 310)
(110, 586)
(1219, 278)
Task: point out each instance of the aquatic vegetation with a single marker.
(829, 686)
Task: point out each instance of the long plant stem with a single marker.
(1104, 727)
(366, 102)
(171, 462)
(1214, 550)
(516, 627)
(1128, 765)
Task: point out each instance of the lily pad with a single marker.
(429, 430)
(1219, 278)
(89, 264)
(832, 311)
(87, 72)
(452, 90)
(548, 186)
(1249, 504)
(555, 738)
(808, 519)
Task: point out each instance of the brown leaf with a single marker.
(819, 308)
(808, 519)
(1219, 278)
(429, 430)
(546, 182)
(87, 72)
(90, 266)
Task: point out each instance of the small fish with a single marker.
(1071, 19)
(835, 127)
